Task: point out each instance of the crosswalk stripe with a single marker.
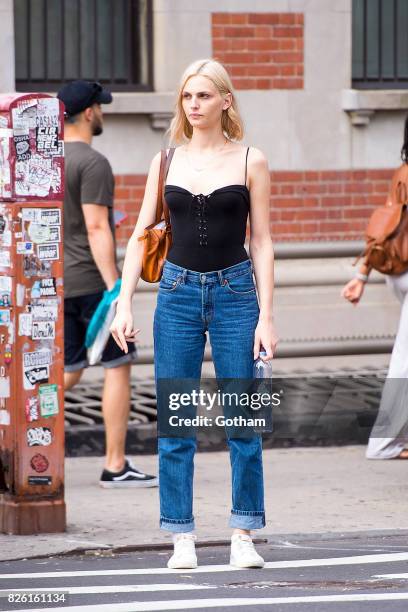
(120, 588)
(392, 576)
(225, 603)
(207, 569)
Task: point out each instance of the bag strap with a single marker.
(402, 193)
(161, 206)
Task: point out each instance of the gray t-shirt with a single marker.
(88, 180)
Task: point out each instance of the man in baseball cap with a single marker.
(91, 273)
(79, 95)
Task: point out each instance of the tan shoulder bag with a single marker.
(157, 236)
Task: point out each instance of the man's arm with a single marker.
(101, 241)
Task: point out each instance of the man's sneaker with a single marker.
(243, 553)
(128, 477)
(184, 556)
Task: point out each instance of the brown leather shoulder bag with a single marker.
(387, 230)
(157, 236)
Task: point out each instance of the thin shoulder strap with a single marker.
(246, 166)
(162, 207)
(168, 161)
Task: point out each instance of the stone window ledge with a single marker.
(157, 106)
(361, 104)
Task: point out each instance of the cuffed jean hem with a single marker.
(241, 519)
(177, 526)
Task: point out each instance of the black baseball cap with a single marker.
(79, 95)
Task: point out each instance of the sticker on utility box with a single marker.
(34, 376)
(48, 400)
(39, 233)
(46, 287)
(4, 417)
(43, 330)
(5, 284)
(36, 368)
(55, 233)
(51, 216)
(4, 317)
(25, 248)
(37, 358)
(45, 309)
(31, 214)
(39, 480)
(39, 463)
(4, 386)
(32, 409)
(25, 322)
(47, 139)
(42, 216)
(39, 436)
(5, 260)
(48, 251)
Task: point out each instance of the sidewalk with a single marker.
(307, 490)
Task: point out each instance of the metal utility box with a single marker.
(31, 315)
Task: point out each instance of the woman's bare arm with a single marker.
(132, 265)
(261, 250)
(122, 327)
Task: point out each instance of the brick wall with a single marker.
(305, 205)
(325, 205)
(260, 50)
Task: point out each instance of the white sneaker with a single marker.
(184, 556)
(243, 553)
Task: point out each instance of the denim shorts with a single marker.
(78, 311)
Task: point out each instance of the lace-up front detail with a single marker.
(201, 219)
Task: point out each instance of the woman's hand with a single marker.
(353, 291)
(265, 337)
(122, 329)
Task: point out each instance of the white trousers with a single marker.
(393, 413)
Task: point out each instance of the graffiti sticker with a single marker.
(32, 409)
(39, 436)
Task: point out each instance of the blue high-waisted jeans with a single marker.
(189, 303)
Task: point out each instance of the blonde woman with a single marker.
(213, 184)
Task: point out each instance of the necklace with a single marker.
(209, 161)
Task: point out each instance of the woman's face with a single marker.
(202, 102)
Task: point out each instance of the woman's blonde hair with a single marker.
(231, 122)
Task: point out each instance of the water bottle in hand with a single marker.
(262, 369)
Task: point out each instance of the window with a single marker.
(380, 44)
(103, 40)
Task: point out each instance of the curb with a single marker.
(273, 540)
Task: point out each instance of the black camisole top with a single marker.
(208, 230)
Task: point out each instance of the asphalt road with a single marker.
(347, 573)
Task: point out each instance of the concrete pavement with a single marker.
(307, 490)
